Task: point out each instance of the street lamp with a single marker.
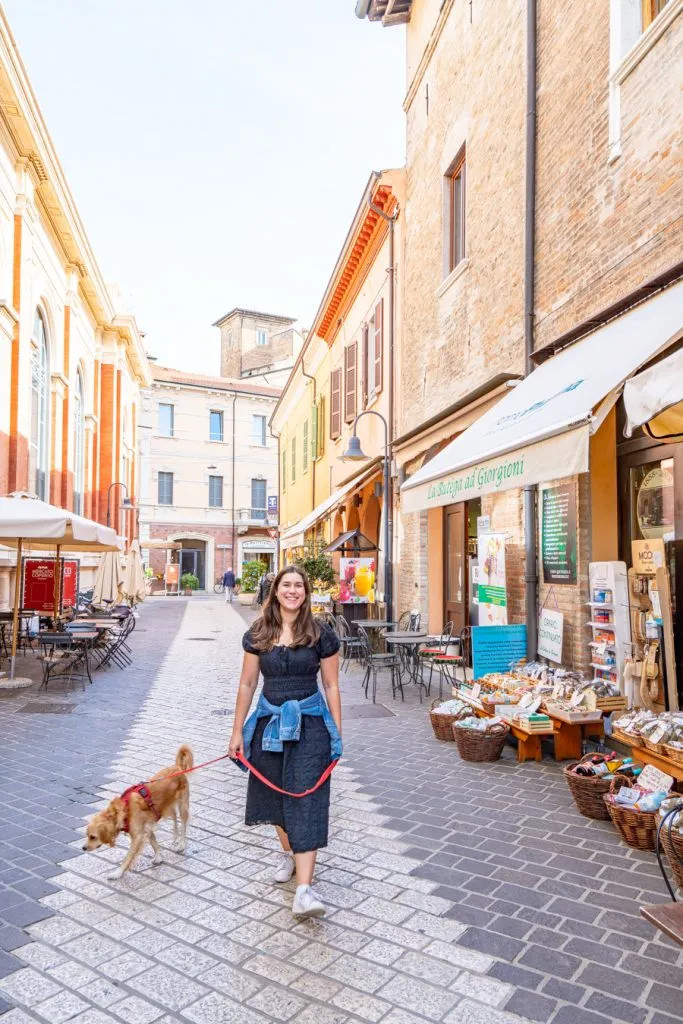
(354, 453)
(126, 505)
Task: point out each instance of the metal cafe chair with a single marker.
(448, 664)
(432, 650)
(350, 645)
(374, 663)
(60, 658)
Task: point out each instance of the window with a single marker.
(651, 8)
(455, 211)
(258, 499)
(304, 449)
(283, 474)
(378, 347)
(215, 426)
(165, 419)
(79, 445)
(350, 382)
(40, 382)
(293, 459)
(216, 491)
(261, 336)
(165, 489)
(335, 404)
(259, 430)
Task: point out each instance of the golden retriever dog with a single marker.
(169, 797)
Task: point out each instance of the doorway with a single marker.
(460, 561)
(193, 559)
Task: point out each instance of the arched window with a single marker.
(79, 444)
(40, 404)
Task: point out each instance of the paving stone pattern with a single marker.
(469, 894)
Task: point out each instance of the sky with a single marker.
(216, 150)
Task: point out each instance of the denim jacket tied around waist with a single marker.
(285, 723)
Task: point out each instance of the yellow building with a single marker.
(347, 367)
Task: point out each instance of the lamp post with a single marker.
(126, 505)
(354, 453)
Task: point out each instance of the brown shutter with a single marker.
(350, 382)
(335, 404)
(365, 367)
(379, 344)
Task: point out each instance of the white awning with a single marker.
(546, 420)
(653, 392)
(294, 536)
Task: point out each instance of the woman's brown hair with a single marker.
(267, 629)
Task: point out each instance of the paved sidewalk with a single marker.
(464, 893)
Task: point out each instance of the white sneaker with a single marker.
(306, 904)
(285, 868)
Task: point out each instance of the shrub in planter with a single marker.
(189, 582)
(251, 574)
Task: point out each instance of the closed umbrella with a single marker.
(109, 580)
(26, 522)
(134, 576)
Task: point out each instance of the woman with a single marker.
(293, 734)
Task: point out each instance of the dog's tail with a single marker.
(184, 759)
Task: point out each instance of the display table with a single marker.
(567, 738)
(667, 918)
(665, 764)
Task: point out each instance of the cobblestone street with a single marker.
(464, 893)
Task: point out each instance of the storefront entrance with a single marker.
(651, 508)
(460, 559)
(193, 559)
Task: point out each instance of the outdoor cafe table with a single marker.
(411, 641)
(79, 638)
(377, 624)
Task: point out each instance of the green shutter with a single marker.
(314, 432)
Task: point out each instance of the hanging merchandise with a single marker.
(610, 642)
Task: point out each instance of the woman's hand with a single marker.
(236, 744)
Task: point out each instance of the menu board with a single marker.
(39, 584)
(558, 533)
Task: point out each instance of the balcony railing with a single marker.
(252, 515)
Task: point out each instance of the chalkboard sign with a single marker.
(496, 648)
(558, 534)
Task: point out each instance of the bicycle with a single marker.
(218, 587)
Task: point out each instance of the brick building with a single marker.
(507, 270)
(71, 361)
(260, 346)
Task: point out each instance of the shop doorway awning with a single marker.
(294, 536)
(352, 540)
(654, 399)
(541, 429)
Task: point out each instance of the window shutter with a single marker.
(365, 367)
(283, 481)
(379, 344)
(304, 449)
(314, 432)
(321, 426)
(335, 404)
(350, 383)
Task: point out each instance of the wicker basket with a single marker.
(656, 748)
(443, 724)
(588, 791)
(637, 828)
(674, 754)
(626, 739)
(672, 845)
(480, 745)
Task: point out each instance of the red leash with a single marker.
(248, 767)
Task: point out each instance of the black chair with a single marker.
(375, 663)
(431, 651)
(350, 645)
(450, 663)
(61, 660)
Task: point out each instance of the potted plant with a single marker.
(238, 584)
(251, 574)
(189, 583)
(319, 569)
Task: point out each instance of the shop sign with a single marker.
(558, 534)
(648, 556)
(491, 590)
(483, 524)
(39, 583)
(550, 633)
(497, 648)
(533, 464)
(272, 505)
(357, 580)
(172, 574)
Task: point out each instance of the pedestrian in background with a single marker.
(229, 584)
(265, 583)
(291, 749)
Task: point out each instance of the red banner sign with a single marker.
(38, 594)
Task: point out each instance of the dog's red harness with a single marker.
(141, 788)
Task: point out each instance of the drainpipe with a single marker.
(530, 529)
(308, 376)
(388, 497)
(279, 482)
(235, 567)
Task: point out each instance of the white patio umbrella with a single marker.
(26, 522)
(109, 579)
(134, 576)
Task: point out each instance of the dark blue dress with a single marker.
(291, 673)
